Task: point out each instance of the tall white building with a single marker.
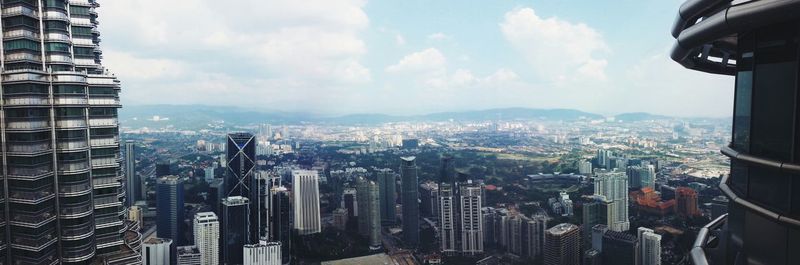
(189, 255)
(305, 190)
(566, 203)
(263, 253)
(648, 176)
(156, 251)
(612, 187)
(649, 247)
(471, 219)
(585, 168)
(447, 219)
(206, 237)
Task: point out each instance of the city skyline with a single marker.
(448, 58)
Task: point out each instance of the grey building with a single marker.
(133, 182)
(169, 209)
(234, 228)
(188, 255)
(756, 42)
(388, 195)
(563, 245)
(240, 179)
(369, 216)
(410, 190)
(60, 149)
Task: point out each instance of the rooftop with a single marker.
(376, 259)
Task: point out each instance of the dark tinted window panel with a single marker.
(794, 244)
(774, 94)
(769, 188)
(796, 197)
(744, 94)
(739, 178)
(765, 240)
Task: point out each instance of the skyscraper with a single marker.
(562, 245)
(612, 187)
(369, 216)
(169, 209)
(647, 173)
(649, 247)
(449, 203)
(620, 248)
(388, 199)
(471, 225)
(594, 213)
(59, 106)
(234, 228)
(189, 255)
(686, 202)
(305, 188)
(240, 179)
(163, 168)
(263, 253)
(756, 41)
(157, 251)
(410, 190)
(133, 183)
(280, 213)
(206, 237)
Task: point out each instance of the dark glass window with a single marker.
(56, 3)
(81, 31)
(55, 25)
(69, 112)
(774, 94)
(102, 91)
(22, 44)
(769, 188)
(744, 93)
(78, 10)
(80, 51)
(69, 89)
(102, 111)
(28, 113)
(56, 47)
(17, 21)
(25, 89)
(739, 177)
(764, 240)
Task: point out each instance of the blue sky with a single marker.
(413, 56)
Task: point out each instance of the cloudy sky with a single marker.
(411, 56)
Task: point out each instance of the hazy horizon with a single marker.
(355, 56)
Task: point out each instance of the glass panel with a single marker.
(769, 188)
(739, 178)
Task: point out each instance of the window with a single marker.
(78, 10)
(81, 31)
(56, 47)
(17, 21)
(23, 44)
(769, 188)
(81, 51)
(102, 91)
(55, 25)
(69, 112)
(25, 89)
(744, 93)
(56, 3)
(69, 89)
(102, 112)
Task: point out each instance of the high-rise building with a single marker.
(533, 236)
(340, 218)
(429, 200)
(410, 194)
(350, 202)
(235, 230)
(157, 251)
(649, 247)
(60, 138)
(133, 183)
(634, 174)
(566, 203)
(585, 168)
(388, 195)
(206, 237)
(686, 202)
(620, 248)
(612, 187)
(280, 213)
(757, 42)
(189, 255)
(449, 202)
(562, 245)
(471, 225)
(240, 179)
(305, 188)
(263, 253)
(647, 175)
(169, 209)
(594, 213)
(369, 216)
(163, 168)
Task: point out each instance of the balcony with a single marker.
(109, 101)
(77, 232)
(56, 15)
(77, 210)
(33, 219)
(103, 122)
(13, 57)
(30, 172)
(26, 101)
(70, 101)
(56, 36)
(20, 10)
(105, 142)
(108, 241)
(105, 162)
(80, 253)
(29, 147)
(31, 197)
(106, 182)
(27, 124)
(72, 167)
(66, 78)
(74, 189)
(71, 123)
(72, 145)
(108, 221)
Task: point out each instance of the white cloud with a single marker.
(558, 50)
(399, 40)
(130, 67)
(428, 60)
(429, 69)
(438, 36)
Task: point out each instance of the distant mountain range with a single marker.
(198, 116)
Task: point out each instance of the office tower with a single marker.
(350, 202)
(686, 202)
(449, 203)
(216, 192)
(594, 213)
(133, 183)
(408, 171)
(429, 199)
(206, 237)
(620, 248)
(647, 176)
(234, 228)
(263, 253)
(240, 150)
(649, 247)
(566, 203)
(60, 138)
(189, 255)
(263, 182)
(305, 188)
(592, 257)
(340, 218)
(533, 236)
(156, 251)
(634, 174)
(169, 209)
(369, 215)
(585, 168)
(562, 245)
(471, 219)
(758, 45)
(163, 168)
(597, 236)
(388, 203)
(280, 213)
(604, 158)
(612, 187)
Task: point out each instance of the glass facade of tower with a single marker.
(410, 189)
(758, 43)
(62, 184)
